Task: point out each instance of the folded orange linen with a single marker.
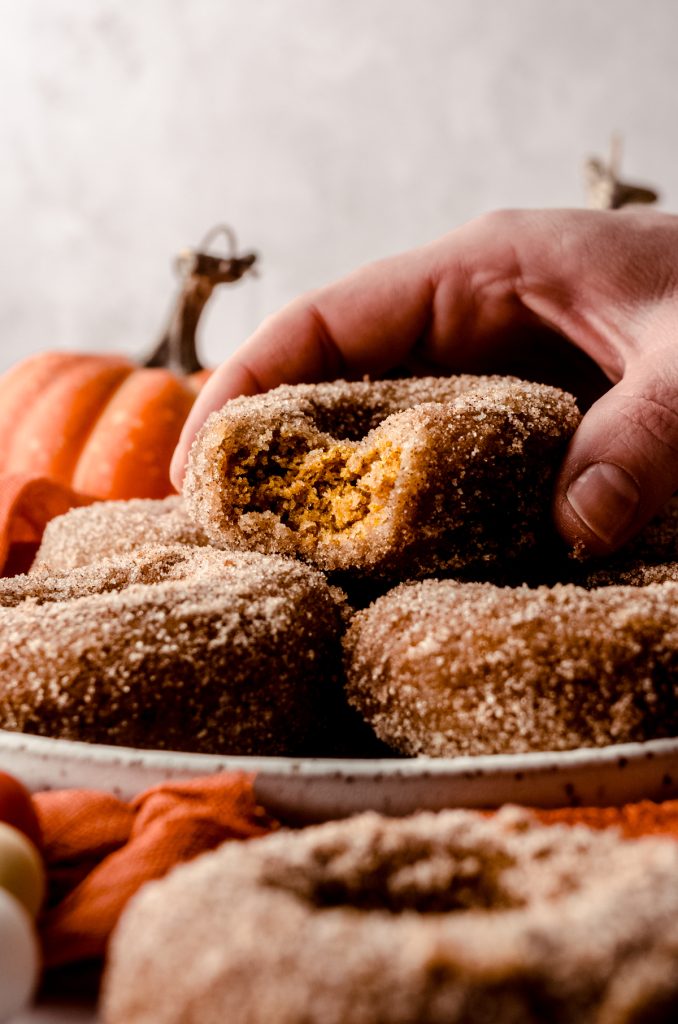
(27, 503)
(644, 818)
(99, 850)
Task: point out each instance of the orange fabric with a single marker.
(99, 850)
(27, 503)
(642, 819)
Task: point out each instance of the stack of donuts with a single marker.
(353, 568)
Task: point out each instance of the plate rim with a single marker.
(103, 754)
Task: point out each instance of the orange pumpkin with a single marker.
(101, 424)
(96, 423)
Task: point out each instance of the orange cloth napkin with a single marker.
(633, 820)
(27, 503)
(99, 850)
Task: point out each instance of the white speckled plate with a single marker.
(306, 789)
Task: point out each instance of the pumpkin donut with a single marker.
(439, 919)
(444, 668)
(179, 648)
(110, 528)
(386, 478)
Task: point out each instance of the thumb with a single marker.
(622, 464)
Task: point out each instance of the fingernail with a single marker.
(605, 498)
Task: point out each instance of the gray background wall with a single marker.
(327, 132)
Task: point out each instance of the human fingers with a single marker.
(460, 305)
(366, 323)
(448, 303)
(333, 332)
(622, 464)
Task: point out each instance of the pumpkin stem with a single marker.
(605, 190)
(200, 273)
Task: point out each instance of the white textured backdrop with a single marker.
(327, 133)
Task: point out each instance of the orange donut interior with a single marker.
(329, 489)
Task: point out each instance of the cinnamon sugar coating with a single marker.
(434, 919)
(445, 668)
(387, 478)
(88, 534)
(651, 557)
(181, 648)
(632, 573)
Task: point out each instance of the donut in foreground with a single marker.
(436, 919)
(180, 648)
(108, 528)
(389, 478)
(445, 668)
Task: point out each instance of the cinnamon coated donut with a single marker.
(107, 528)
(388, 478)
(181, 648)
(445, 668)
(436, 919)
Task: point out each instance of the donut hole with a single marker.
(327, 488)
(424, 882)
(352, 422)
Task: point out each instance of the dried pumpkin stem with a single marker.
(605, 190)
(200, 272)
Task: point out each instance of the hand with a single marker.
(551, 295)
